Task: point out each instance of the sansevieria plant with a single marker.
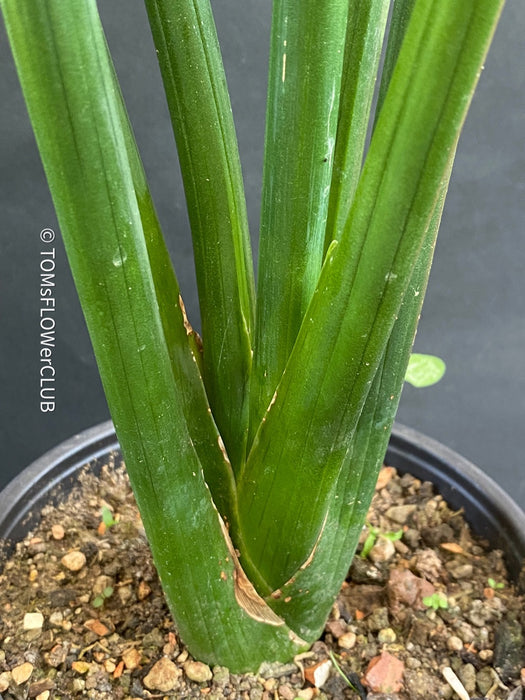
(253, 455)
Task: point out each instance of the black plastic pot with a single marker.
(488, 509)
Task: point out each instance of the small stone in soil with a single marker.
(385, 673)
(58, 532)
(401, 514)
(318, 674)
(197, 671)
(33, 621)
(163, 676)
(5, 678)
(382, 551)
(131, 658)
(74, 561)
(22, 673)
(347, 640)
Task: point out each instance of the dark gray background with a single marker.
(473, 316)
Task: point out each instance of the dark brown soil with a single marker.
(82, 612)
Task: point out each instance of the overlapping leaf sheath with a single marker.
(137, 328)
(288, 484)
(306, 59)
(195, 84)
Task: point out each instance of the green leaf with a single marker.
(424, 370)
(364, 38)
(195, 84)
(297, 454)
(316, 586)
(77, 114)
(369, 542)
(401, 13)
(107, 517)
(306, 57)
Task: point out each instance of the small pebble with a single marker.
(131, 658)
(44, 695)
(400, 514)
(221, 675)
(385, 476)
(57, 532)
(81, 667)
(22, 673)
(454, 643)
(143, 591)
(386, 636)
(464, 571)
(286, 693)
(429, 565)
(33, 621)
(347, 640)
(385, 674)
(318, 674)
(336, 628)
(486, 654)
(125, 594)
(163, 675)
(484, 680)
(5, 677)
(96, 627)
(197, 671)
(382, 551)
(276, 670)
(306, 693)
(412, 537)
(74, 561)
(467, 675)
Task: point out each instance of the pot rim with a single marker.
(489, 509)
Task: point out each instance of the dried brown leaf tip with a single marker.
(187, 324)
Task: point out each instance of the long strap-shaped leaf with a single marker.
(181, 342)
(288, 483)
(306, 55)
(316, 585)
(193, 75)
(77, 115)
(401, 12)
(364, 40)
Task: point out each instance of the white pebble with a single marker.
(33, 621)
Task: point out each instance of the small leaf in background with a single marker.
(424, 370)
(107, 517)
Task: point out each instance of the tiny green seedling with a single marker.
(99, 600)
(373, 534)
(436, 601)
(107, 517)
(495, 585)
